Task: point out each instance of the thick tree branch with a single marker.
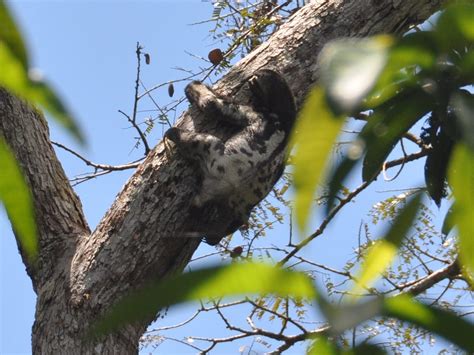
(449, 272)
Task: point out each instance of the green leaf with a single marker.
(463, 104)
(448, 223)
(15, 79)
(416, 49)
(13, 75)
(349, 315)
(314, 136)
(446, 324)
(323, 346)
(436, 165)
(412, 53)
(11, 37)
(455, 27)
(466, 67)
(350, 68)
(381, 254)
(388, 124)
(340, 174)
(15, 196)
(461, 178)
(213, 282)
(364, 349)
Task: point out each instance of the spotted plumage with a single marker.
(237, 173)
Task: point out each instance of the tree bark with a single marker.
(81, 274)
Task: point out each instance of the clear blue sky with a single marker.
(86, 49)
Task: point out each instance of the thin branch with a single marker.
(133, 119)
(178, 325)
(419, 258)
(220, 18)
(187, 78)
(215, 341)
(415, 139)
(325, 222)
(285, 318)
(415, 156)
(291, 340)
(163, 113)
(384, 166)
(81, 179)
(327, 268)
(107, 167)
(448, 286)
(249, 31)
(183, 342)
(424, 252)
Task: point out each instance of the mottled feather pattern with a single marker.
(237, 173)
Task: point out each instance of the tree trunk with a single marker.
(80, 273)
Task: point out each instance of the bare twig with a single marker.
(133, 119)
(384, 167)
(178, 325)
(106, 167)
(412, 157)
(86, 177)
(325, 223)
(163, 113)
(281, 316)
(249, 31)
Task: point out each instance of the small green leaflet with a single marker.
(16, 197)
(213, 282)
(313, 137)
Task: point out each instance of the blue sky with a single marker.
(87, 51)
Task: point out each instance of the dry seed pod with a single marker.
(171, 90)
(237, 251)
(215, 56)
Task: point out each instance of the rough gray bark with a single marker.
(81, 274)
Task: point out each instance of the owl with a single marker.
(238, 172)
